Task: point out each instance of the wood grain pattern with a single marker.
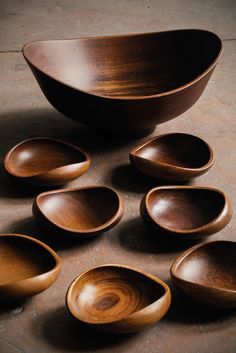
(118, 298)
(27, 267)
(127, 82)
(175, 156)
(207, 273)
(46, 161)
(186, 211)
(79, 212)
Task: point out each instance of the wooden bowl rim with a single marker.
(227, 205)
(68, 144)
(186, 253)
(210, 162)
(119, 212)
(128, 98)
(166, 294)
(55, 269)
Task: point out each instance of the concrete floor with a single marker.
(42, 324)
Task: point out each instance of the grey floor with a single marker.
(42, 325)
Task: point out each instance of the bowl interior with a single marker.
(184, 209)
(110, 293)
(213, 265)
(21, 259)
(80, 210)
(181, 150)
(39, 156)
(126, 66)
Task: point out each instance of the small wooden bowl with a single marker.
(118, 298)
(27, 267)
(186, 211)
(46, 161)
(207, 273)
(79, 212)
(127, 83)
(175, 156)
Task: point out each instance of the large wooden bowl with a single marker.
(207, 273)
(27, 267)
(118, 298)
(186, 211)
(127, 82)
(46, 161)
(79, 212)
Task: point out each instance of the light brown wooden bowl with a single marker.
(27, 267)
(79, 212)
(125, 83)
(207, 273)
(46, 161)
(175, 156)
(186, 211)
(118, 298)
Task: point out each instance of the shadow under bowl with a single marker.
(117, 298)
(27, 267)
(186, 211)
(46, 161)
(207, 273)
(127, 83)
(175, 156)
(79, 212)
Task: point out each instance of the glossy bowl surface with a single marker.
(186, 211)
(117, 298)
(27, 267)
(79, 212)
(207, 273)
(174, 156)
(125, 83)
(46, 161)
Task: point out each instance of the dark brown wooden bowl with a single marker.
(175, 156)
(118, 298)
(46, 161)
(27, 267)
(207, 273)
(126, 82)
(186, 211)
(79, 212)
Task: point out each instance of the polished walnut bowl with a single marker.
(118, 298)
(175, 156)
(207, 273)
(79, 212)
(127, 82)
(46, 161)
(27, 267)
(186, 211)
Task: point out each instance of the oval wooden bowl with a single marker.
(27, 267)
(207, 273)
(186, 211)
(118, 298)
(46, 161)
(126, 82)
(175, 156)
(79, 212)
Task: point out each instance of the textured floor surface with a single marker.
(42, 324)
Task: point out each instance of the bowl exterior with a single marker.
(131, 115)
(167, 172)
(29, 287)
(55, 177)
(212, 297)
